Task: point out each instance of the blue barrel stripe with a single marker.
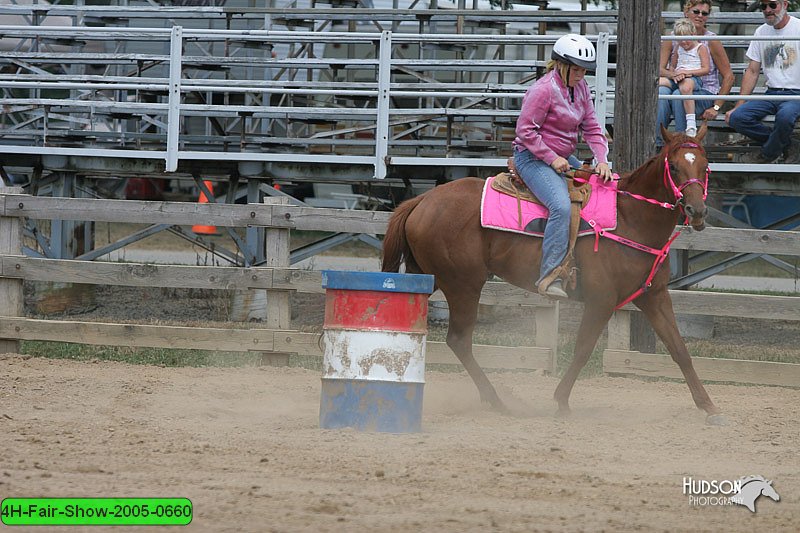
(372, 376)
(371, 405)
(377, 281)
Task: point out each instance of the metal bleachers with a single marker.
(356, 94)
(233, 89)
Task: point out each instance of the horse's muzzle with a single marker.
(697, 217)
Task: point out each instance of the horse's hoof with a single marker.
(563, 414)
(501, 408)
(496, 404)
(716, 420)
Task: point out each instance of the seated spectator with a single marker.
(718, 81)
(780, 60)
(689, 63)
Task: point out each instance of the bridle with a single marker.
(659, 253)
(669, 184)
(677, 191)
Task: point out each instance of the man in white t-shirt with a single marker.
(780, 60)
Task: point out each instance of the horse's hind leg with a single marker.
(657, 307)
(463, 304)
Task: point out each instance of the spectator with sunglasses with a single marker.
(718, 81)
(780, 61)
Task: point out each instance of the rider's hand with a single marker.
(560, 165)
(604, 172)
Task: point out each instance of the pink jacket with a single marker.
(549, 122)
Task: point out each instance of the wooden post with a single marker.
(635, 107)
(11, 297)
(250, 304)
(619, 330)
(637, 83)
(276, 253)
(547, 332)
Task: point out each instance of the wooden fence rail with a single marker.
(618, 358)
(277, 278)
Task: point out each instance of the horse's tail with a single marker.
(395, 245)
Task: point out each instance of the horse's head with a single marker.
(757, 486)
(768, 491)
(686, 173)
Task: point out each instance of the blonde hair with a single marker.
(683, 26)
(694, 3)
(563, 68)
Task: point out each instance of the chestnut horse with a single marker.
(439, 233)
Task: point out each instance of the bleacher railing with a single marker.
(257, 96)
(385, 102)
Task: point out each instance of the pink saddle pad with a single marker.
(500, 211)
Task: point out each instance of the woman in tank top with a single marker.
(718, 81)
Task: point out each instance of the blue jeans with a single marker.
(667, 109)
(551, 189)
(746, 119)
(698, 85)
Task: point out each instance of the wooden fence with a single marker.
(619, 359)
(275, 336)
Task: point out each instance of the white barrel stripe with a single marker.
(374, 355)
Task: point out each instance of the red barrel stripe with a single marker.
(393, 311)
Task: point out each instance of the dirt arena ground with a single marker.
(244, 445)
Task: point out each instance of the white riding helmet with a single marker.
(576, 50)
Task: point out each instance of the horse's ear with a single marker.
(666, 135)
(702, 131)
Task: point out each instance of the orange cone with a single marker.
(201, 229)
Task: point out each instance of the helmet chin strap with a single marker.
(569, 87)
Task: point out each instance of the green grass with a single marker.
(754, 267)
(139, 356)
(484, 334)
(715, 350)
(566, 350)
(354, 248)
(745, 291)
(509, 329)
(164, 357)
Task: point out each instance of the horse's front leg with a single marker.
(593, 320)
(657, 307)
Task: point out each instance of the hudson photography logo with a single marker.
(743, 491)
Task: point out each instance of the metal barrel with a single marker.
(373, 369)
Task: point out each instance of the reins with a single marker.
(660, 254)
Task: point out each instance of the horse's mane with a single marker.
(678, 139)
(630, 178)
(748, 479)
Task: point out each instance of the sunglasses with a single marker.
(698, 12)
(772, 5)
